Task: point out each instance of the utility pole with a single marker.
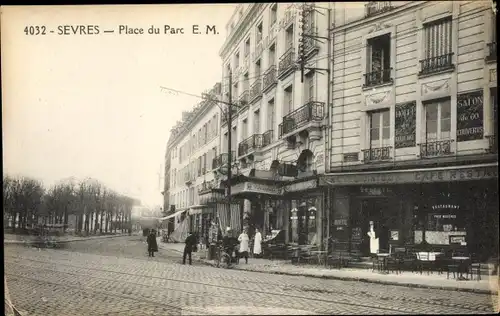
(229, 147)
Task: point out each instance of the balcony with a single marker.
(377, 7)
(243, 99)
(249, 145)
(492, 144)
(436, 64)
(492, 52)
(377, 154)
(256, 90)
(379, 77)
(311, 112)
(287, 63)
(269, 78)
(435, 148)
(222, 160)
(267, 138)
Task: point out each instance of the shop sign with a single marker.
(445, 206)
(301, 186)
(405, 125)
(427, 176)
(444, 216)
(394, 234)
(375, 191)
(259, 188)
(340, 222)
(470, 116)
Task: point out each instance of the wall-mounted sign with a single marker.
(340, 222)
(394, 234)
(351, 157)
(405, 125)
(457, 239)
(470, 116)
(375, 191)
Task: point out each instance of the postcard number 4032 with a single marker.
(35, 30)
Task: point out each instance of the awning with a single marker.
(172, 215)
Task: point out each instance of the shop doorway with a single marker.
(374, 210)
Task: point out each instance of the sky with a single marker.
(91, 105)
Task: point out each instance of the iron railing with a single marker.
(256, 90)
(250, 144)
(377, 7)
(378, 77)
(243, 99)
(269, 78)
(377, 154)
(267, 138)
(492, 144)
(492, 51)
(311, 111)
(435, 148)
(436, 64)
(222, 159)
(287, 62)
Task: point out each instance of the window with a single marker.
(246, 82)
(272, 55)
(288, 100)
(378, 60)
(309, 88)
(270, 115)
(438, 120)
(244, 130)
(256, 122)
(224, 143)
(289, 37)
(437, 46)
(247, 47)
(380, 129)
(204, 136)
(258, 33)
(273, 16)
(237, 60)
(257, 70)
(234, 141)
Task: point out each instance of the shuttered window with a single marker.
(437, 38)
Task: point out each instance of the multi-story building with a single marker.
(414, 123)
(193, 144)
(166, 184)
(277, 127)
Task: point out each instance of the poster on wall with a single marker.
(405, 124)
(470, 116)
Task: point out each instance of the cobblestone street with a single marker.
(115, 277)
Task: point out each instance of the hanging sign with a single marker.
(405, 125)
(470, 116)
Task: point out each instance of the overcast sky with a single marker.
(91, 105)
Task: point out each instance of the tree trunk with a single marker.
(101, 221)
(107, 222)
(96, 221)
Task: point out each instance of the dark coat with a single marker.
(152, 244)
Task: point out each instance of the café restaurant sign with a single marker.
(470, 116)
(258, 188)
(405, 125)
(479, 172)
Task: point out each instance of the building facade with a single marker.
(414, 125)
(193, 144)
(278, 135)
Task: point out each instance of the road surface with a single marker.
(114, 276)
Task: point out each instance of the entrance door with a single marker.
(372, 210)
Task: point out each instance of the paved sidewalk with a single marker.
(487, 284)
(27, 239)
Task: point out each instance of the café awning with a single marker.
(172, 215)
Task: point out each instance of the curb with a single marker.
(28, 242)
(365, 280)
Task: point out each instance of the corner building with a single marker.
(414, 126)
(277, 128)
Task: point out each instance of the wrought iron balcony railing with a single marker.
(267, 138)
(256, 90)
(222, 159)
(243, 99)
(436, 64)
(493, 144)
(287, 62)
(311, 111)
(250, 144)
(378, 77)
(269, 78)
(377, 7)
(435, 148)
(377, 154)
(492, 51)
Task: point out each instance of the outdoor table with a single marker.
(384, 257)
(321, 255)
(462, 261)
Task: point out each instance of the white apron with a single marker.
(257, 248)
(243, 239)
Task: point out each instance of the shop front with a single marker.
(443, 208)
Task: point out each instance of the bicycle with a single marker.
(222, 258)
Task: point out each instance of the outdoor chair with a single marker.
(409, 261)
(423, 262)
(475, 267)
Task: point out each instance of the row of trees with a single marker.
(89, 205)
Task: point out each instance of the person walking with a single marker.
(257, 245)
(244, 240)
(190, 243)
(152, 244)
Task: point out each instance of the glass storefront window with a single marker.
(303, 226)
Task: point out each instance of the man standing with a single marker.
(190, 242)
